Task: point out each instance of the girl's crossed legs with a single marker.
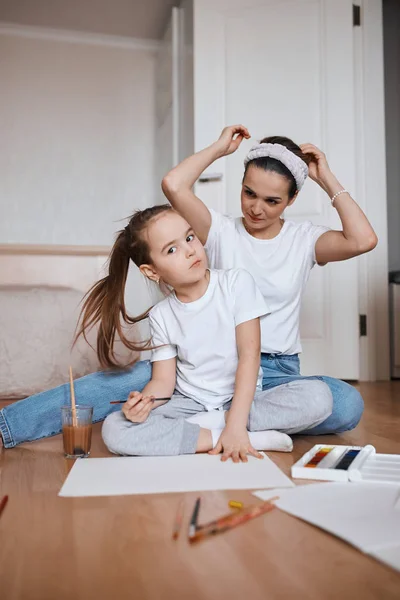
(290, 408)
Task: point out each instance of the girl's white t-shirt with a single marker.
(280, 267)
(202, 335)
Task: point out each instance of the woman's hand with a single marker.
(234, 443)
(231, 138)
(318, 168)
(138, 407)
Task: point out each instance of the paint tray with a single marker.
(348, 463)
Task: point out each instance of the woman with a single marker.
(278, 253)
(269, 186)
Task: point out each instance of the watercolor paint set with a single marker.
(348, 463)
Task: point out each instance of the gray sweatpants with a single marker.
(290, 408)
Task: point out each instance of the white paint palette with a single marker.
(376, 468)
(326, 462)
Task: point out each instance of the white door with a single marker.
(286, 68)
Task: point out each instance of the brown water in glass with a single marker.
(77, 440)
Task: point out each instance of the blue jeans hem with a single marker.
(8, 441)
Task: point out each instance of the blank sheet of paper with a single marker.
(365, 515)
(390, 556)
(161, 474)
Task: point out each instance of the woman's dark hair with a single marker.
(104, 303)
(272, 164)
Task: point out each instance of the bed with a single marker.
(41, 288)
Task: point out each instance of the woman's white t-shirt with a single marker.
(202, 335)
(280, 266)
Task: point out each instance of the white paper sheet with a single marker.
(365, 515)
(270, 493)
(390, 556)
(158, 475)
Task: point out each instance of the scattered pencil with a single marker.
(178, 520)
(3, 503)
(193, 520)
(235, 504)
(154, 400)
(232, 520)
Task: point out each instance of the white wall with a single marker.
(391, 25)
(131, 18)
(77, 139)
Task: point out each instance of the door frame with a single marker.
(371, 189)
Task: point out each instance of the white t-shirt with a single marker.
(202, 335)
(280, 266)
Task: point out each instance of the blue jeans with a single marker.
(39, 416)
(348, 405)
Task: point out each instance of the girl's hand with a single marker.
(235, 443)
(231, 138)
(318, 169)
(138, 407)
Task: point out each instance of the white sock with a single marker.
(263, 440)
(215, 433)
(209, 419)
(271, 440)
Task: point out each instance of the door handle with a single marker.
(209, 177)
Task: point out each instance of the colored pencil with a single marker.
(3, 503)
(178, 520)
(235, 504)
(154, 400)
(193, 520)
(232, 520)
(73, 404)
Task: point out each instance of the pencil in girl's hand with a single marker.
(3, 503)
(154, 400)
(178, 520)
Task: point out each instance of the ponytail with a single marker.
(104, 303)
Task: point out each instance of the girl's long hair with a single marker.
(104, 303)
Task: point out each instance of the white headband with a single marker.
(296, 165)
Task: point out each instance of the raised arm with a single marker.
(357, 235)
(177, 184)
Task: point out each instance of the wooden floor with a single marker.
(55, 548)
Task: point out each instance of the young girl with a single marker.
(205, 337)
